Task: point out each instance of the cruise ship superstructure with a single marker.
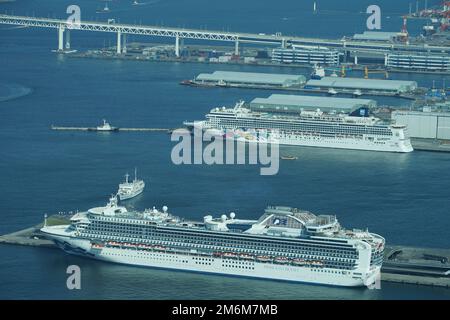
(357, 130)
(283, 244)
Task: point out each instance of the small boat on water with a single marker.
(128, 190)
(105, 127)
(287, 157)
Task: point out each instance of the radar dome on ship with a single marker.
(223, 217)
(155, 210)
(232, 215)
(165, 208)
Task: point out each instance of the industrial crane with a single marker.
(367, 72)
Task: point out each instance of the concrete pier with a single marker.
(420, 266)
(433, 145)
(60, 128)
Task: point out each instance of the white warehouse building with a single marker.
(392, 86)
(429, 125)
(252, 78)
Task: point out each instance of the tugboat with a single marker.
(128, 190)
(105, 127)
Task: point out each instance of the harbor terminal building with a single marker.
(375, 85)
(307, 55)
(285, 103)
(251, 78)
(427, 125)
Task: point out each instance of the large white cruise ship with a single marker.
(283, 244)
(357, 130)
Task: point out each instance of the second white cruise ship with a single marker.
(128, 190)
(283, 244)
(357, 130)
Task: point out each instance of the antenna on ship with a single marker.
(45, 219)
(126, 177)
(135, 174)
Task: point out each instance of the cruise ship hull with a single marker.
(216, 265)
(367, 143)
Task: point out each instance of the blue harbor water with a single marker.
(404, 197)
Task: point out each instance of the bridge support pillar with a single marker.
(119, 46)
(236, 47)
(67, 46)
(124, 46)
(177, 46)
(60, 37)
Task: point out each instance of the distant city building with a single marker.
(430, 125)
(418, 62)
(392, 86)
(376, 36)
(306, 55)
(251, 78)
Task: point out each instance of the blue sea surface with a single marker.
(404, 197)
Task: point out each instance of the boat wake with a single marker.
(11, 91)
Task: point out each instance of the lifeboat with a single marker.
(263, 258)
(299, 262)
(229, 255)
(282, 260)
(247, 257)
(316, 263)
